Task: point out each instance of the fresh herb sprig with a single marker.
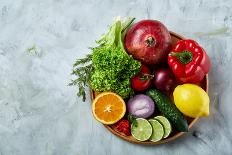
(108, 67)
(83, 72)
(132, 119)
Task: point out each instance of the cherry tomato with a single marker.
(142, 80)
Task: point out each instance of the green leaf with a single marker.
(108, 67)
(132, 120)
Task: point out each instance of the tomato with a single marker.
(142, 80)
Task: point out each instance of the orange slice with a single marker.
(108, 108)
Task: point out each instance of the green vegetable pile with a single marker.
(108, 67)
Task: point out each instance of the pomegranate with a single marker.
(148, 41)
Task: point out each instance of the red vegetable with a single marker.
(189, 62)
(164, 79)
(141, 81)
(148, 41)
(124, 127)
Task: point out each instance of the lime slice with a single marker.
(166, 124)
(141, 129)
(158, 130)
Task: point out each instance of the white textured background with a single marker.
(40, 114)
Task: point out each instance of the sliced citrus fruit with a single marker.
(158, 130)
(166, 124)
(108, 108)
(141, 130)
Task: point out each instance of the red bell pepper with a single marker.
(188, 61)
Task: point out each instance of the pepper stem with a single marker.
(184, 57)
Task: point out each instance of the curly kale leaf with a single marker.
(110, 68)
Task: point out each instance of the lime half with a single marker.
(158, 130)
(166, 124)
(141, 130)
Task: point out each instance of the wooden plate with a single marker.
(173, 135)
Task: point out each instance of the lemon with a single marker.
(191, 100)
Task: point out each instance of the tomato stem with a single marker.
(145, 77)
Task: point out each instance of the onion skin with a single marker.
(148, 41)
(141, 106)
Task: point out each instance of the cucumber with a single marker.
(169, 110)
